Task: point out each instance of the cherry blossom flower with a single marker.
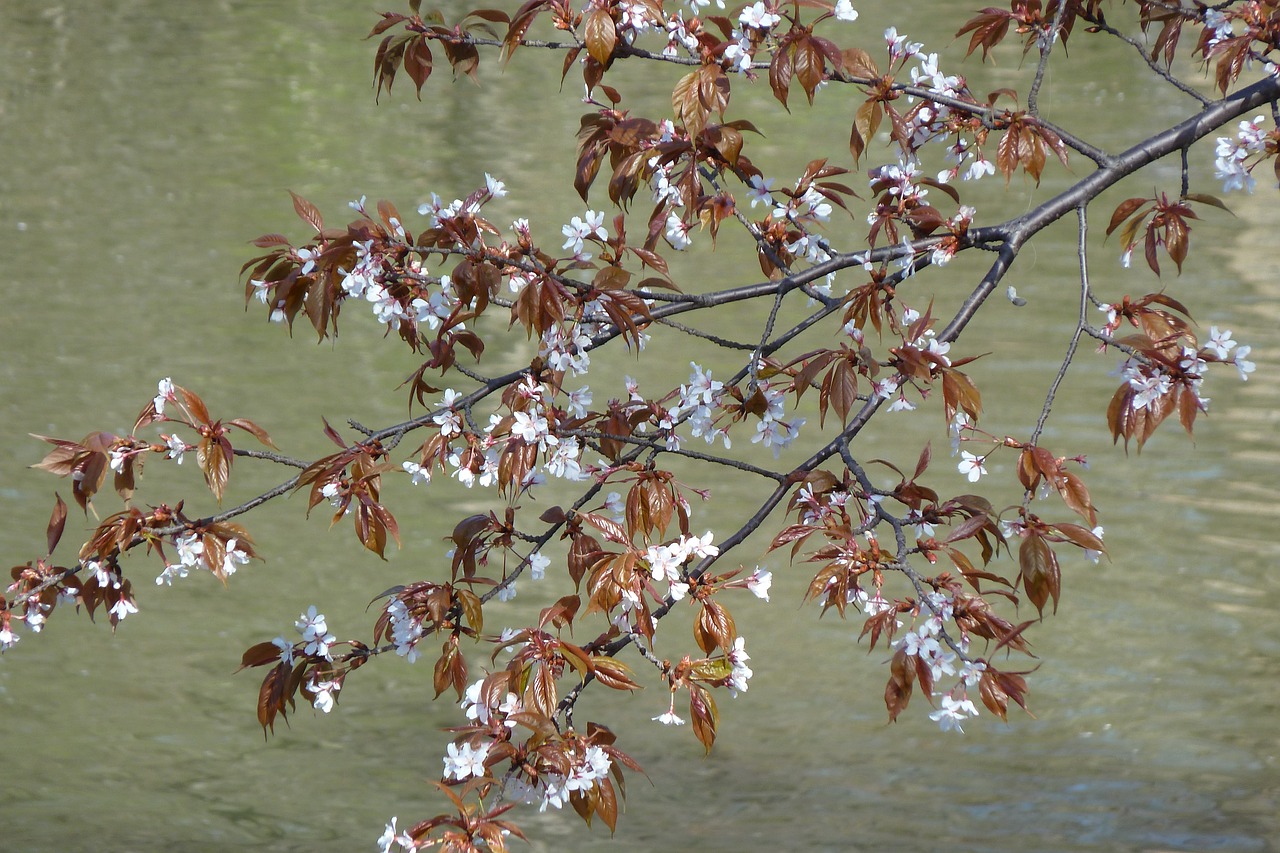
(844, 11)
(776, 434)
(885, 388)
(664, 562)
(670, 718)
(286, 649)
(953, 712)
(532, 429)
(877, 604)
(389, 837)
(438, 211)
(580, 229)
(594, 766)
(614, 505)
(902, 404)
(678, 589)
(1093, 556)
(971, 466)
(550, 790)
(34, 615)
(7, 638)
(1219, 23)
(538, 565)
(971, 672)
(759, 583)
(678, 233)
(563, 463)
(758, 16)
(315, 631)
(405, 630)
(449, 421)
(1151, 386)
(190, 548)
(1229, 167)
(979, 168)
(465, 761)
(634, 19)
(482, 713)
(311, 623)
(940, 663)
(578, 402)
(417, 474)
(567, 351)
(233, 557)
(177, 447)
(759, 190)
(164, 393)
(923, 529)
(738, 54)
(1245, 367)
(1220, 342)
(171, 571)
(741, 673)
(495, 187)
(531, 389)
(324, 694)
(123, 608)
(699, 546)
(100, 573)
(915, 644)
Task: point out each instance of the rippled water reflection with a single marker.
(146, 142)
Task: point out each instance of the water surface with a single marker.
(145, 142)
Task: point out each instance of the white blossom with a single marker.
(844, 11)
(324, 694)
(953, 712)
(971, 466)
(164, 393)
(123, 608)
(579, 229)
(759, 583)
(462, 762)
(758, 17)
(233, 557)
(1244, 366)
(538, 565)
(669, 718)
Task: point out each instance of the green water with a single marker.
(143, 143)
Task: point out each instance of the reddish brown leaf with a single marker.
(57, 522)
(1041, 578)
(996, 700)
(418, 63)
(706, 718)
(195, 405)
(601, 35)
(254, 430)
(307, 212)
(259, 655)
(1123, 211)
(897, 693)
(215, 463)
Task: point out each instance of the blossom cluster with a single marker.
(191, 555)
(1233, 153)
